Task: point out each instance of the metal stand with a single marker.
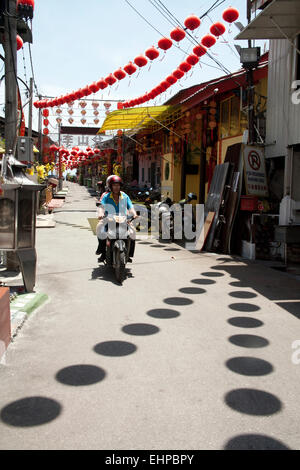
(27, 260)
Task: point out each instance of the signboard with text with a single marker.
(255, 172)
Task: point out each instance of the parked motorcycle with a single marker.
(118, 244)
(167, 218)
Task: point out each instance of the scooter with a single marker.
(118, 244)
(167, 217)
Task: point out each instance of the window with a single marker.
(225, 119)
(234, 116)
(232, 123)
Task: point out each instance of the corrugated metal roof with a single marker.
(199, 93)
(279, 20)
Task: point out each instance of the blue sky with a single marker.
(77, 42)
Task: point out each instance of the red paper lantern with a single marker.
(130, 68)
(25, 8)
(79, 94)
(152, 53)
(46, 131)
(208, 40)
(119, 74)
(87, 91)
(140, 61)
(159, 89)
(192, 22)
(178, 34)
(94, 87)
(178, 74)
(230, 15)
(46, 122)
(165, 44)
(46, 112)
(120, 105)
(19, 42)
(171, 79)
(217, 29)
(192, 59)
(110, 80)
(102, 84)
(185, 67)
(165, 85)
(200, 50)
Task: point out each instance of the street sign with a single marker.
(255, 172)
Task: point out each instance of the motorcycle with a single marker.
(118, 244)
(167, 217)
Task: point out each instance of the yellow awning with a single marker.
(140, 118)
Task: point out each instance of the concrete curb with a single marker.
(22, 307)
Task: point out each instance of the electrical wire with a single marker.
(162, 13)
(191, 38)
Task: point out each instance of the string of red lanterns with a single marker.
(217, 29)
(152, 53)
(178, 34)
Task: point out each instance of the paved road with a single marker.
(194, 351)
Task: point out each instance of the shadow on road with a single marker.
(31, 411)
(254, 442)
(104, 273)
(80, 375)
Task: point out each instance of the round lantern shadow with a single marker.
(249, 341)
(243, 294)
(31, 411)
(80, 375)
(244, 307)
(163, 313)
(245, 322)
(253, 402)
(192, 290)
(213, 274)
(254, 442)
(178, 301)
(204, 282)
(250, 366)
(115, 348)
(140, 329)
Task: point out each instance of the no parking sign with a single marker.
(255, 172)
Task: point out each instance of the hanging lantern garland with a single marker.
(230, 15)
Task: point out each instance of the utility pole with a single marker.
(249, 19)
(40, 134)
(250, 82)
(30, 109)
(10, 48)
(11, 100)
(60, 175)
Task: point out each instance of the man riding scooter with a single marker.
(117, 202)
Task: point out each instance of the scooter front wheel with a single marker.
(120, 262)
